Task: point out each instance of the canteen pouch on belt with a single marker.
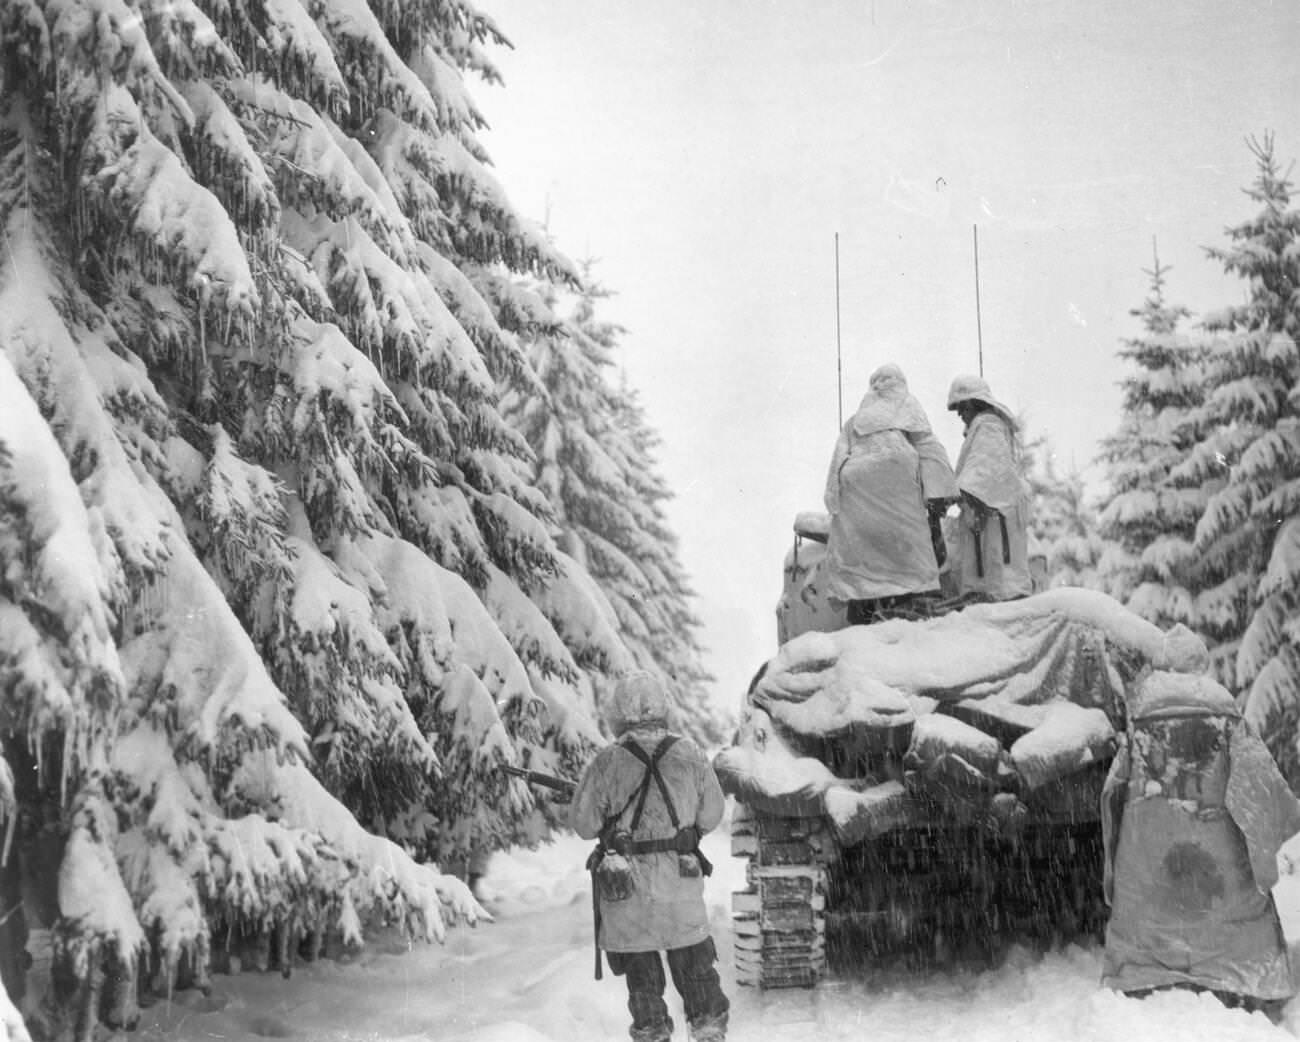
(613, 875)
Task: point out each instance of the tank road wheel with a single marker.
(780, 917)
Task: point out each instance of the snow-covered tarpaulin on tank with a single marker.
(1052, 668)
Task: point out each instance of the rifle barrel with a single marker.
(548, 781)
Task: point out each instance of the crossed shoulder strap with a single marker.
(651, 761)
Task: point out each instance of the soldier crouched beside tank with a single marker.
(1194, 812)
(648, 798)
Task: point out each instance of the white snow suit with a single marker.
(1193, 814)
(886, 465)
(648, 798)
(666, 907)
(991, 551)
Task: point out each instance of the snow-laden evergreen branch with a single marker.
(254, 308)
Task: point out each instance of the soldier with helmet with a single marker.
(1194, 812)
(648, 798)
(991, 543)
(889, 483)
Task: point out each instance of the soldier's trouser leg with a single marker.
(645, 994)
(696, 980)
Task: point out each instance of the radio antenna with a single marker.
(979, 330)
(839, 358)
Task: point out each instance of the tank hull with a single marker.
(927, 789)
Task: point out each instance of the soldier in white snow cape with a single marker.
(991, 547)
(1194, 812)
(648, 798)
(888, 475)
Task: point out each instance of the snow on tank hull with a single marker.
(926, 790)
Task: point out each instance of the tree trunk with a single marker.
(88, 1000)
(14, 958)
(120, 1007)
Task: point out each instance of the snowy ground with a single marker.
(527, 977)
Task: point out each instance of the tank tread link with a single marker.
(930, 893)
(779, 919)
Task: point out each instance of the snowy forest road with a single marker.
(527, 977)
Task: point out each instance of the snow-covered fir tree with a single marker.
(673, 646)
(1249, 460)
(278, 593)
(1149, 516)
(594, 460)
(1062, 522)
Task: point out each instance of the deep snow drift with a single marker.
(527, 977)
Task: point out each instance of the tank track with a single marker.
(947, 894)
(779, 919)
(939, 890)
(932, 894)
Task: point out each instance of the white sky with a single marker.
(708, 154)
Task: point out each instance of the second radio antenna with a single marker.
(839, 360)
(979, 331)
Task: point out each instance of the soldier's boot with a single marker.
(709, 1029)
(658, 1032)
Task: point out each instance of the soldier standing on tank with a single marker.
(888, 485)
(648, 798)
(991, 543)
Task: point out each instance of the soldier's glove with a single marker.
(979, 511)
(936, 508)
